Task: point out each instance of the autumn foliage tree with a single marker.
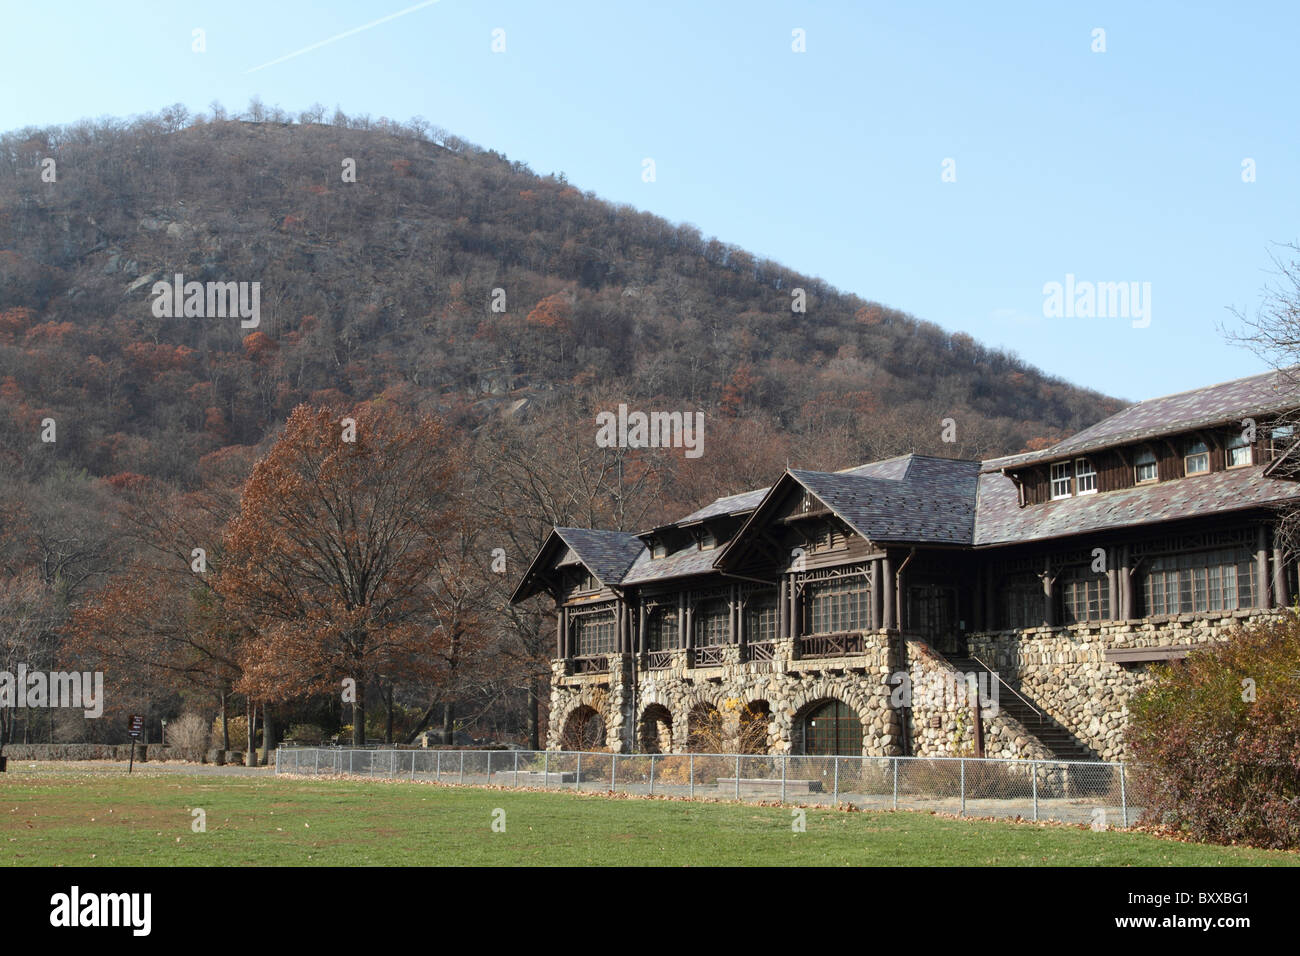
(328, 559)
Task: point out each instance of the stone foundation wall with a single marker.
(1064, 670)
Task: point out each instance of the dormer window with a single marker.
(1085, 476)
(1197, 459)
(1061, 481)
(1144, 467)
(1239, 452)
(707, 539)
(587, 581)
(658, 549)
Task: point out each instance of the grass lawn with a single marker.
(99, 816)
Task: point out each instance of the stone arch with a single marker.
(583, 729)
(705, 728)
(828, 724)
(754, 727)
(655, 729)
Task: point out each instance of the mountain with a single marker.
(385, 286)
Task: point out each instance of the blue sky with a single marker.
(1115, 166)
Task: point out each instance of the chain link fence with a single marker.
(1067, 791)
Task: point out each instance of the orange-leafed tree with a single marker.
(328, 559)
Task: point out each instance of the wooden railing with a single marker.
(831, 645)
(657, 660)
(762, 650)
(707, 656)
(594, 664)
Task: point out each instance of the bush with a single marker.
(305, 734)
(187, 735)
(1215, 740)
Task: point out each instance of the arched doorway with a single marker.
(583, 730)
(656, 730)
(829, 727)
(705, 731)
(755, 719)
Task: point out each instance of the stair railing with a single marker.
(1037, 713)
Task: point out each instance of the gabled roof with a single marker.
(606, 554)
(932, 501)
(1225, 403)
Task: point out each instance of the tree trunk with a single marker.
(250, 755)
(359, 717)
(533, 731)
(448, 723)
(225, 723)
(268, 734)
(423, 722)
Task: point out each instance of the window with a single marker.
(712, 623)
(826, 538)
(1082, 596)
(831, 728)
(662, 632)
(835, 607)
(1197, 459)
(586, 581)
(1221, 580)
(658, 549)
(1085, 476)
(1144, 466)
(1021, 597)
(760, 618)
(708, 540)
(1061, 480)
(1239, 452)
(594, 634)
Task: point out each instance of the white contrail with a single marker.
(347, 33)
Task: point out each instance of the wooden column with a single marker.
(1280, 596)
(782, 609)
(1049, 594)
(1127, 592)
(642, 619)
(889, 589)
(566, 650)
(1112, 583)
(794, 609)
(559, 633)
(1261, 567)
(876, 596)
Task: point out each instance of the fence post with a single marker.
(351, 754)
(462, 766)
(317, 770)
(784, 760)
(895, 762)
(578, 775)
(837, 781)
(392, 764)
(516, 768)
(692, 776)
(546, 769)
(1033, 772)
(963, 785)
(613, 773)
(437, 767)
(413, 764)
(737, 776)
(1123, 797)
(652, 775)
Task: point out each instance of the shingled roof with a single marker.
(1227, 402)
(930, 501)
(606, 554)
(1001, 520)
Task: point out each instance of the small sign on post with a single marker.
(135, 724)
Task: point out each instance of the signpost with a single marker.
(135, 724)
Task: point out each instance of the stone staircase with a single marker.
(1049, 733)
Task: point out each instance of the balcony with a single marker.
(712, 655)
(591, 664)
(833, 645)
(658, 660)
(762, 650)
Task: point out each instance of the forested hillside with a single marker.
(386, 284)
(446, 281)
